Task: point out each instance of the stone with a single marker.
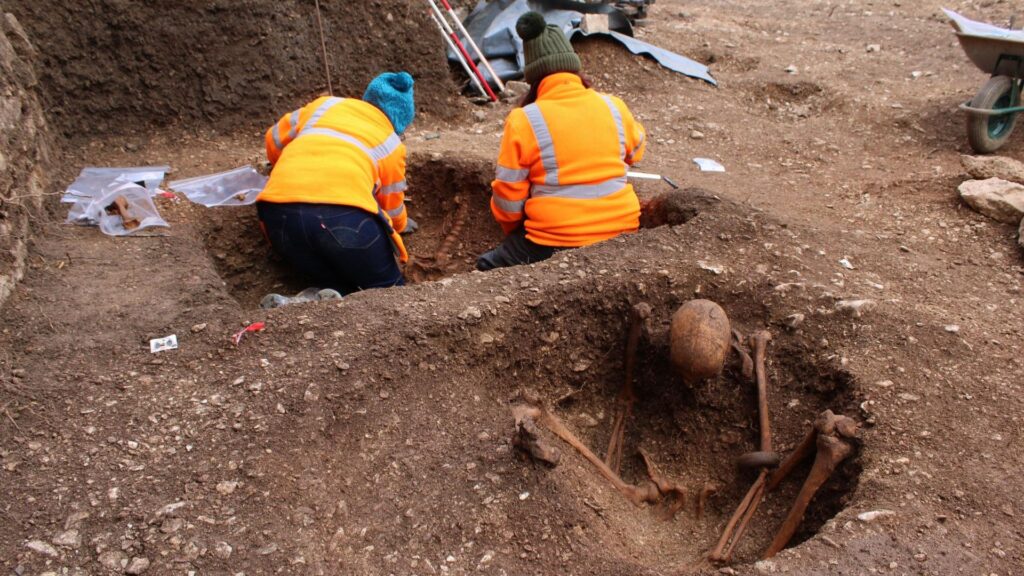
(792, 69)
(470, 312)
(515, 90)
(996, 198)
(222, 550)
(1020, 233)
(985, 167)
(595, 23)
(873, 48)
(68, 539)
(113, 560)
(697, 135)
(42, 548)
(855, 308)
(74, 520)
(172, 525)
(793, 321)
(170, 509)
(874, 515)
(226, 487)
(198, 328)
(138, 565)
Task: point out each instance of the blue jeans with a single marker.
(339, 247)
(515, 249)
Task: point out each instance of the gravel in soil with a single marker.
(371, 435)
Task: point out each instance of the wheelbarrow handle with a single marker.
(966, 107)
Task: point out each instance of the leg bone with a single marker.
(613, 458)
(833, 447)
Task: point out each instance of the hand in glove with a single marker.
(410, 226)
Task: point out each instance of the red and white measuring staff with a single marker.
(477, 76)
(453, 48)
(472, 44)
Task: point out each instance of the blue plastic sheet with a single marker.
(493, 27)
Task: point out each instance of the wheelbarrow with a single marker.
(999, 52)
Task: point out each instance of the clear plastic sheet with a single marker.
(92, 179)
(138, 200)
(236, 187)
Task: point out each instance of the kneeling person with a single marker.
(561, 176)
(335, 202)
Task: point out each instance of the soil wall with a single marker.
(124, 65)
(24, 150)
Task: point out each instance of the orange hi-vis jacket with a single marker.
(340, 151)
(562, 167)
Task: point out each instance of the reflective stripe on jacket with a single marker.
(339, 151)
(562, 167)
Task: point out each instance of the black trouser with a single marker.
(339, 247)
(515, 249)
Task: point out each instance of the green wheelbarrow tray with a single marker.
(995, 51)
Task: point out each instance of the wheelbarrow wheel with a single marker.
(988, 133)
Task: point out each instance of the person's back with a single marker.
(575, 142)
(327, 159)
(561, 176)
(334, 205)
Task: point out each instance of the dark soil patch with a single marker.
(793, 100)
(227, 64)
(450, 200)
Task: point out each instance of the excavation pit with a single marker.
(442, 195)
(693, 435)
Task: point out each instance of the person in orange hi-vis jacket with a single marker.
(335, 202)
(561, 176)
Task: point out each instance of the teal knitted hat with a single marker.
(547, 49)
(392, 93)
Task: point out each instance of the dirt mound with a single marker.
(122, 66)
(793, 100)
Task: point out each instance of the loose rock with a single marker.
(68, 539)
(794, 320)
(172, 525)
(223, 550)
(170, 509)
(985, 167)
(855, 308)
(868, 517)
(226, 487)
(113, 560)
(138, 565)
(42, 548)
(996, 198)
(515, 90)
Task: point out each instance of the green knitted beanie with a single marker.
(547, 49)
